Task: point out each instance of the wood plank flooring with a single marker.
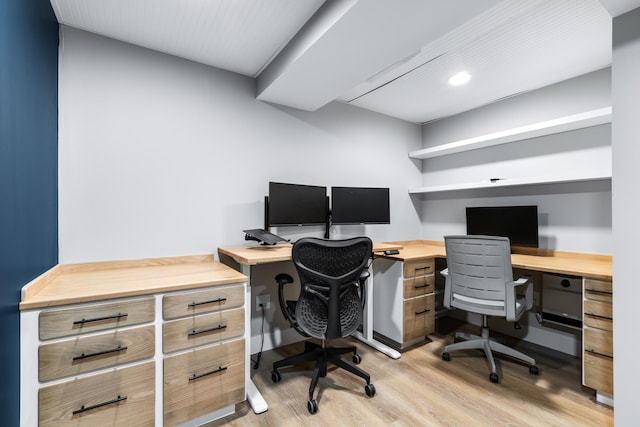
(420, 389)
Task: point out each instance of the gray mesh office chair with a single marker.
(332, 275)
(479, 279)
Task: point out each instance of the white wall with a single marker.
(160, 156)
(573, 217)
(626, 204)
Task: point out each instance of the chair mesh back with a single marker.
(329, 305)
(479, 267)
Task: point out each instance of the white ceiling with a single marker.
(393, 57)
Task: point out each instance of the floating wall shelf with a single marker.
(548, 127)
(514, 182)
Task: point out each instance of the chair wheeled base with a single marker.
(465, 341)
(323, 356)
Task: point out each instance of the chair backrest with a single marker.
(479, 267)
(328, 306)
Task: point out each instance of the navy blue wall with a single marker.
(28, 171)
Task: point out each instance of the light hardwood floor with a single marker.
(420, 389)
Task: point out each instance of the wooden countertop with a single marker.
(571, 263)
(260, 254)
(76, 283)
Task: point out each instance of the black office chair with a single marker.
(332, 277)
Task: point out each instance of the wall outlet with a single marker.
(265, 300)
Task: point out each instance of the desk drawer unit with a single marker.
(122, 397)
(404, 301)
(90, 359)
(597, 336)
(80, 342)
(203, 380)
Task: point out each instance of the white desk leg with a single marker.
(256, 401)
(367, 325)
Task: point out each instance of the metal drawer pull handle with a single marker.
(215, 371)
(100, 353)
(598, 316)
(420, 286)
(213, 301)
(203, 331)
(99, 405)
(596, 291)
(98, 319)
(426, 267)
(423, 311)
(592, 351)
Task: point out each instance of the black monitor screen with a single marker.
(357, 205)
(294, 204)
(518, 223)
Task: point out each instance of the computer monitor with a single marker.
(518, 223)
(295, 204)
(359, 205)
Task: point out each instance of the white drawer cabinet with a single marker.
(404, 289)
(205, 377)
(100, 342)
(597, 337)
(75, 387)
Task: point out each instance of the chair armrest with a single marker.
(446, 299)
(362, 283)
(284, 279)
(510, 297)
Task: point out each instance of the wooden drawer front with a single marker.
(418, 268)
(95, 317)
(83, 354)
(202, 381)
(598, 341)
(203, 329)
(598, 290)
(418, 317)
(189, 303)
(122, 397)
(598, 372)
(598, 315)
(417, 286)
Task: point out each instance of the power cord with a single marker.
(256, 362)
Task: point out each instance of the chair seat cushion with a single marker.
(479, 301)
(492, 304)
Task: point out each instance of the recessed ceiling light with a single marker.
(459, 78)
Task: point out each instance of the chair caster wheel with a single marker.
(493, 377)
(356, 359)
(370, 390)
(533, 370)
(446, 357)
(275, 376)
(312, 406)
